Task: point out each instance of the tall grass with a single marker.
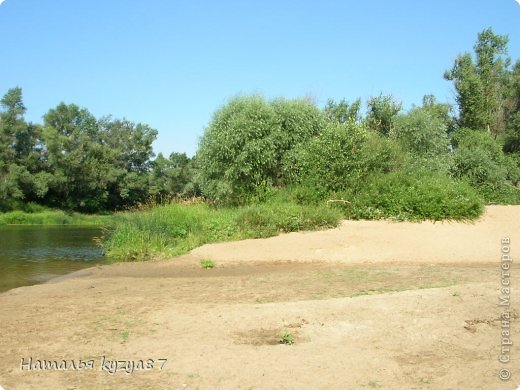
(174, 229)
(52, 217)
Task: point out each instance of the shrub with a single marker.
(479, 159)
(421, 132)
(415, 195)
(340, 157)
(236, 153)
(241, 151)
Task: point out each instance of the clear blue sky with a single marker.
(171, 64)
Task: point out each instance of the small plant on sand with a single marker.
(207, 264)
(286, 338)
(124, 336)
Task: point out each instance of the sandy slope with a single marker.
(383, 241)
(219, 329)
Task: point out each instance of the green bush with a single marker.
(414, 196)
(421, 132)
(240, 153)
(340, 157)
(479, 160)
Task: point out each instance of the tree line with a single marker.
(386, 162)
(253, 146)
(74, 161)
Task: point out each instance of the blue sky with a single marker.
(171, 64)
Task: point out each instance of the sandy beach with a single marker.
(370, 304)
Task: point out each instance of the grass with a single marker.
(174, 229)
(207, 264)
(52, 217)
(374, 384)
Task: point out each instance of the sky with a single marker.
(171, 63)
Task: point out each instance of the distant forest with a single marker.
(386, 162)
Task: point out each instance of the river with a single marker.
(31, 254)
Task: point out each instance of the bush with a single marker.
(241, 151)
(414, 196)
(421, 132)
(236, 153)
(479, 159)
(340, 158)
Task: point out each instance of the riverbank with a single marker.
(53, 217)
(368, 304)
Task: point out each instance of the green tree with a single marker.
(481, 84)
(343, 111)
(512, 139)
(237, 154)
(382, 111)
(127, 154)
(18, 156)
(422, 132)
(172, 176)
(340, 158)
(72, 144)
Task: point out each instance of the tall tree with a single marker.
(481, 84)
(16, 147)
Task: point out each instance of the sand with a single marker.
(370, 305)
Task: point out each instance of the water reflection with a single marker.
(34, 254)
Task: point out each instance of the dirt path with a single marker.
(428, 322)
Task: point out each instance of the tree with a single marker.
(382, 111)
(339, 159)
(237, 153)
(127, 151)
(512, 139)
(17, 149)
(423, 130)
(71, 139)
(342, 111)
(172, 176)
(481, 85)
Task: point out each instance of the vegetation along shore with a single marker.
(266, 166)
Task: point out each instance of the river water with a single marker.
(35, 254)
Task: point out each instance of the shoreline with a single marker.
(221, 328)
(354, 243)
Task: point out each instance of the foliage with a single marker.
(74, 161)
(481, 84)
(52, 217)
(340, 157)
(286, 338)
(479, 159)
(343, 112)
(241, 151)
(173, 229)
(421, 132)
(413, 195)
(382, 111)
(172, 176)
(207, 264)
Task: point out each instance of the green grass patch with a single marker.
(52, 217)
(207, 264)
(174, 229)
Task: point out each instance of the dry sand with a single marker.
(370, 305)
